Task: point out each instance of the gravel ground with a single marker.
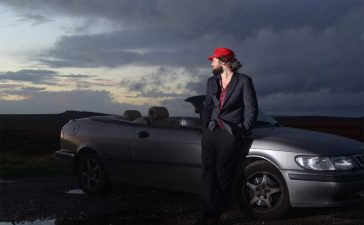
(39, 199)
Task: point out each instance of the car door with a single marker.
(168, 157)
(114, 140)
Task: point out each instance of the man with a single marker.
(228, 116)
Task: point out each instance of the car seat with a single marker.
(131, 115)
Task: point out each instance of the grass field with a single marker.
(27, 142)
(15, 165)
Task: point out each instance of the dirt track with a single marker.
(38, 199)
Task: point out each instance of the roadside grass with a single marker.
(19, 165)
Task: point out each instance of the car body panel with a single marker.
(161, 160)
(323, 193)
(170, 158)
(307, 142)
(113, 143)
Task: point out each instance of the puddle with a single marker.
(35, 222)
(74, 192)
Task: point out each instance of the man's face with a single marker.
(216, 66)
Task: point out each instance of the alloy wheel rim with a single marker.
(263, 191)
(90, 174)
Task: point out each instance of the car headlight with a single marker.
(326, 163)
(344, 162)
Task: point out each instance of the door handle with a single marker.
(143, 134)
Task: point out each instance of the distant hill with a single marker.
(319, 119)
(32, 133)
(61, 118)
(69, 113)
(80, 114)
(349, 127)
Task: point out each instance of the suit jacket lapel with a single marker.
(230, 88)
(217, 83)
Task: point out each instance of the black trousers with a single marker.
(221, 155)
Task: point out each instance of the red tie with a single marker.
(222, 99)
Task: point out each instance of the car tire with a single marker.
(92, 175)
(261, 191)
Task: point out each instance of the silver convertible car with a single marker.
(285, 167)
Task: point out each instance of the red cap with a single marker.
(222, 52)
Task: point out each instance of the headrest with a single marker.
(158, 112)
(131, 115)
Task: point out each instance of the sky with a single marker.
(305, 57)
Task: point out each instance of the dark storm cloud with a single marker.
(34, 19)
(324, 102)
(297, 52)
(34, 76)
(57, 102)
(75, 76)
(9, 86)
(32, 89)
(119, 48)
(130, 10)
(50, 77)
(155, 84)
(198, 17)
(20, 89)
(85, 26)
(293, 63)
(170, 32)
(82, 84)
(304, 60)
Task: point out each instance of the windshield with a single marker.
(265, 120)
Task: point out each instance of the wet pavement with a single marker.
(58, 201)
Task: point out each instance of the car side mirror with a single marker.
(190, 123)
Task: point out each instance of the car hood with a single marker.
(305, 141)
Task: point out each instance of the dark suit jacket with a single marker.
(240, 109)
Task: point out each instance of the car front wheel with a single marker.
(260, 190)
(92, 175)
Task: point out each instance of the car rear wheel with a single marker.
(92, 175)
(260, 190)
